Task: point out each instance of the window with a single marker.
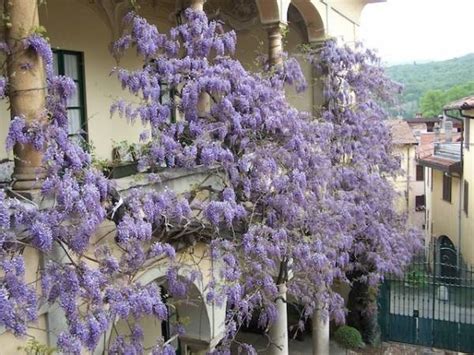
(71, 64)
(428, 177)
(467, 136)
(466, 197)
(432, 181)
(420, 203)
(420, 173)
(447, 182)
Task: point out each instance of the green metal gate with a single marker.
(432, 305)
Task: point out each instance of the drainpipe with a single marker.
(408, 182)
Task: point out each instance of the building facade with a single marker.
(449, 174)
(81, 32)
(410, 182)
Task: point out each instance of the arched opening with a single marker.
(448, 260)
(190, 312)
(313, 23)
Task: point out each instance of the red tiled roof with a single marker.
(401, 132)
(439, 163)
(465, 103)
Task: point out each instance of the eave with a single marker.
(441, 164)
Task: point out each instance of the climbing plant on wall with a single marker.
(300, 201)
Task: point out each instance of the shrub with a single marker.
(348, 337)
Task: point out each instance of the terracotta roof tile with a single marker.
(465, 103)
(401, 132)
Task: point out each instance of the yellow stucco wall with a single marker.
(73, 25)
(8, 342)
(467, 223)
(444, 215)
(407, 186)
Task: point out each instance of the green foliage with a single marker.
(417, 278)
(433, 101)
(454, 78)
(349, 337)
(34, 347)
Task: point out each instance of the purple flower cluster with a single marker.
(303, 201)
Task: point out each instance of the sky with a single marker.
(407, 31)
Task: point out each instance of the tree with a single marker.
(432, 102)
(362, 162)
(289, 210)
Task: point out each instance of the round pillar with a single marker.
(320, 332)
(275, 44)
(27, 87)
(279, 331)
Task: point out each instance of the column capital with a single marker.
(198, 5)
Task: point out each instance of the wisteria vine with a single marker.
(303, 201)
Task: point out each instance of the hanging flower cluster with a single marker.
(355, 86)
(303, 201)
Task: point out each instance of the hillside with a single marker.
(418, 79)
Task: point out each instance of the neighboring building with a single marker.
(449, 173)
(81, 31)
(410, 184)
(421, 124)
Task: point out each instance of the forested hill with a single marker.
(448, 79)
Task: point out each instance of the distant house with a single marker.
(427, 124)
(410, 184)
(449, 171)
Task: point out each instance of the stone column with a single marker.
(279, 331)
(198, 5)
(26, 86)
(275, 43)
(320, 332)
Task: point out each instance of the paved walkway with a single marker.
(297, 347)
(304, 347)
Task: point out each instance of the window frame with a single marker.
(80, 87)
(432, 177)
(447, 188)
(420, 173)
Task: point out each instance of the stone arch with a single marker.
(204, 326)
(273, 11)
(315, 27)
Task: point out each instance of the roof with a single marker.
(442, 164)
(401, 132)
(427, 142)
(423, 119)
(465, 103)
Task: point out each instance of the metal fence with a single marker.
(432, 304)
